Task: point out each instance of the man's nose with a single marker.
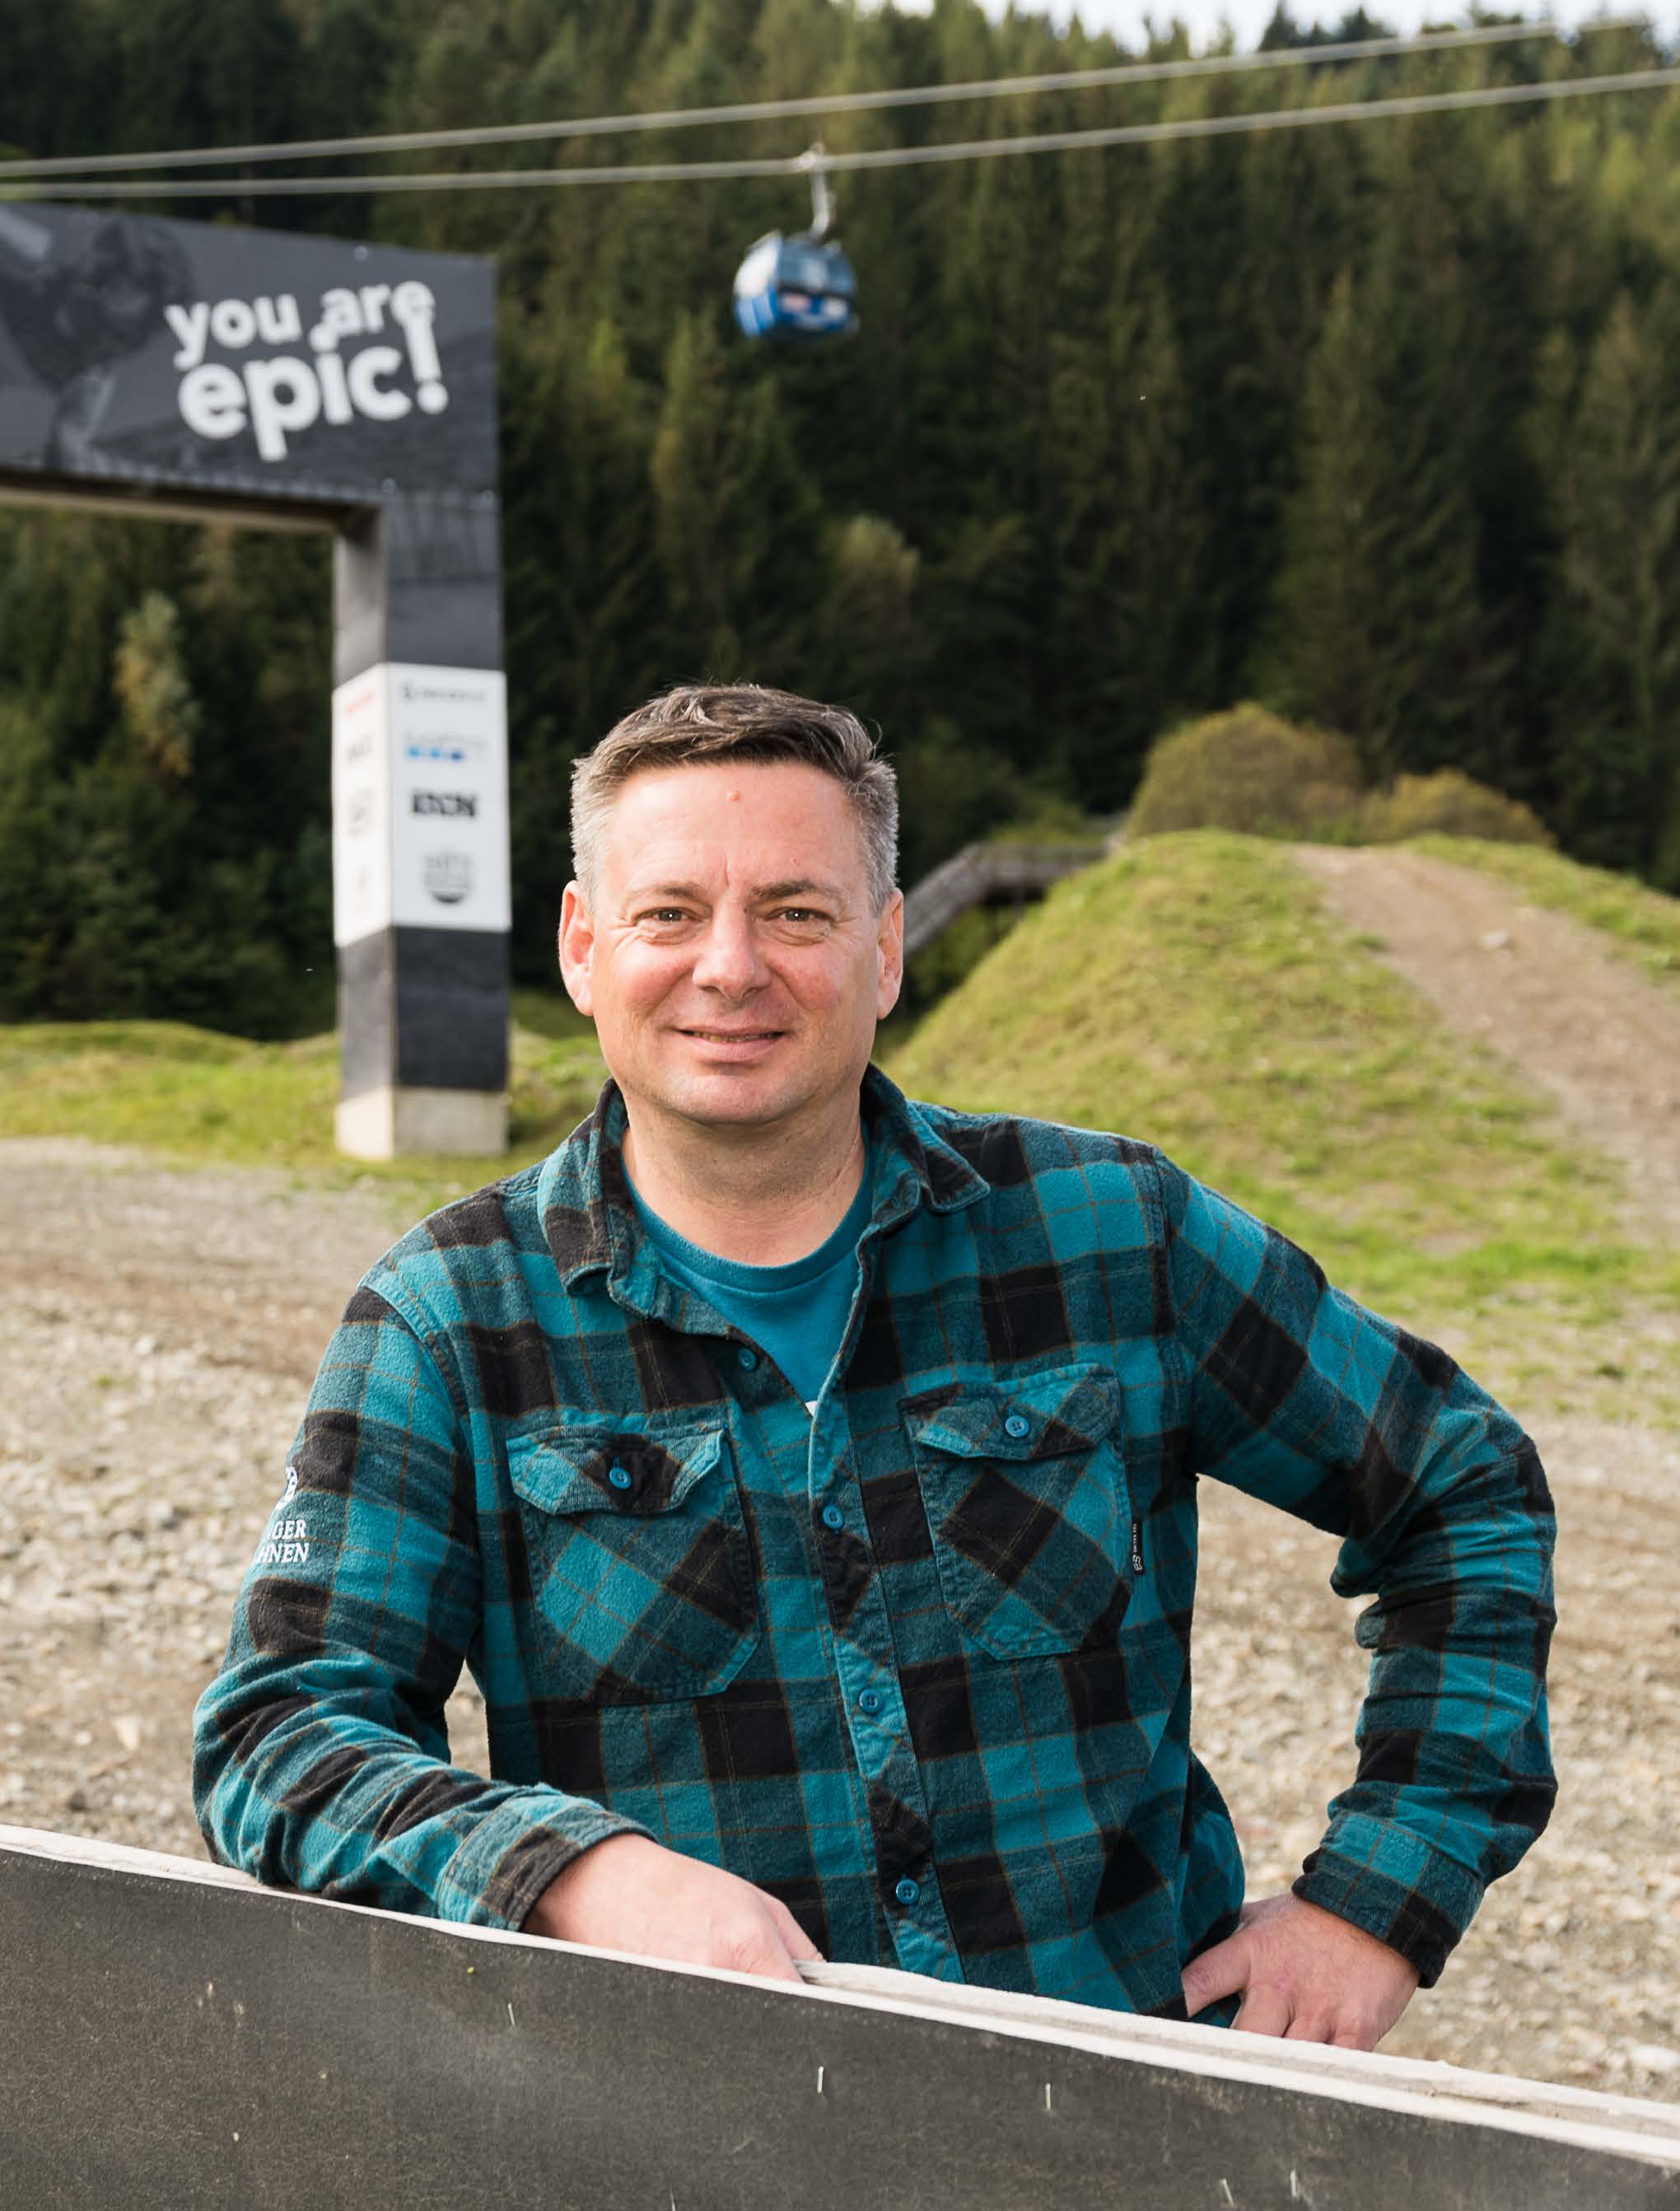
(730, 961)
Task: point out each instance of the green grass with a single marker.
(195, 1095)
(1193, 991)
(1642, 924)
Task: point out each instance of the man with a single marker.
(808, 1478)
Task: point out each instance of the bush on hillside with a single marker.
(1249, 770)
(1447, 804)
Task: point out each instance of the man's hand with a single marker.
(629, 1893)
(1304, 1974)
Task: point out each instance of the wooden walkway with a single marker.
(988, 874)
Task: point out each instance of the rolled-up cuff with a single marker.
(1419, 1904)
(514, 1853)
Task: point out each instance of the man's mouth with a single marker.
(733, 1036)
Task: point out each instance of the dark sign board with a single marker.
(172, 2036)
(227, 363)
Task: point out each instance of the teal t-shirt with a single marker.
(797, 1313)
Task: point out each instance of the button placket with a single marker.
(865, 1660)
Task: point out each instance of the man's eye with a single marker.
(800, 913)
(663, 917)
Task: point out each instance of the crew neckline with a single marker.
(791, 1274)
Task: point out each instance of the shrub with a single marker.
(1447, 804)
(1249, 770)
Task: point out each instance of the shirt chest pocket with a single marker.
(1024, 1489)
(640, 1564)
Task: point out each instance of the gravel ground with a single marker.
(157, 1331)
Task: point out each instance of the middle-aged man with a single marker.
(808, 1478)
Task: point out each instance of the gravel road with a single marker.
(157, 1331)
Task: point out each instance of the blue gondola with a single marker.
(802, 287)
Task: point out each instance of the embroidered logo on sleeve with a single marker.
(286, 1540)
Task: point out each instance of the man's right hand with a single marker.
(629, 1893)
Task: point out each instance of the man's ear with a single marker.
(577, 945)
(890, 955)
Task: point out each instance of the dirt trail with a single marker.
(1539, 989)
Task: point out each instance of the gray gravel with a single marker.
(158, 1330)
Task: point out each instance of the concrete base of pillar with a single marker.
(396, 1121)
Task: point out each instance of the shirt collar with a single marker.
(590, 1218)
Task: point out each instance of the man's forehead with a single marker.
(779, 826)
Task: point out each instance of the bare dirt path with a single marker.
(1539, 989)
(158, 1330)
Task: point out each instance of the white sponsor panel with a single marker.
(362, 807)
(420, 800)
(448, 797)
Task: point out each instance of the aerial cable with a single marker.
(768, 110)
(892, 157)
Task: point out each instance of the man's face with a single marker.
(733, 961)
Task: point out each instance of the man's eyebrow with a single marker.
(800, 887)
(763, 893)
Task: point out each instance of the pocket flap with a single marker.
(1040, 1416)
(567, 1469)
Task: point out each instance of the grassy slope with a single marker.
(1193, 991)
(1639, 922)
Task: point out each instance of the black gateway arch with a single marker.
(189, 370)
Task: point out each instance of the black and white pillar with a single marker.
(420, 874)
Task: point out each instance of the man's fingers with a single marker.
(799, 1944)
(759, 1950)
(1220, 1971)
(1263, 2011)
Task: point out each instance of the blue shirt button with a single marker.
(747, 1360)
(833, 1517)
(620, 1476)
(869, 1700)
(908, 1891)
(1017, 1426)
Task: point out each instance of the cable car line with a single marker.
(892, 157)
(839, 103)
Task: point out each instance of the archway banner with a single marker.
(190, 369)
(213, 360)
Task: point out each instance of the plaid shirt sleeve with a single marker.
(1302, 1397)
(321, 1760)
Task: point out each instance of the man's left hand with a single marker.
(1304, 1974)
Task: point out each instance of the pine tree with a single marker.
(1380, 631)
(1618, 570)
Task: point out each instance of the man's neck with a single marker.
(761, 1197)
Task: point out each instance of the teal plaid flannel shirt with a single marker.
(919, 1666)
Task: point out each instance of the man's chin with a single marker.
(734, 1098)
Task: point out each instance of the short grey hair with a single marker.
(745, 722)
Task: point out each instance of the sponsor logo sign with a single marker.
(420, 801)
(448, 876)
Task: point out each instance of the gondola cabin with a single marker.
(799, 288)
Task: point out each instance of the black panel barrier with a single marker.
(173, 2035)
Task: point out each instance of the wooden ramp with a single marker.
(988, 875)
(173, 2036)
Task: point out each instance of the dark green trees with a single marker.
(1377, 424)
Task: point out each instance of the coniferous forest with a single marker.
(1378, 423)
